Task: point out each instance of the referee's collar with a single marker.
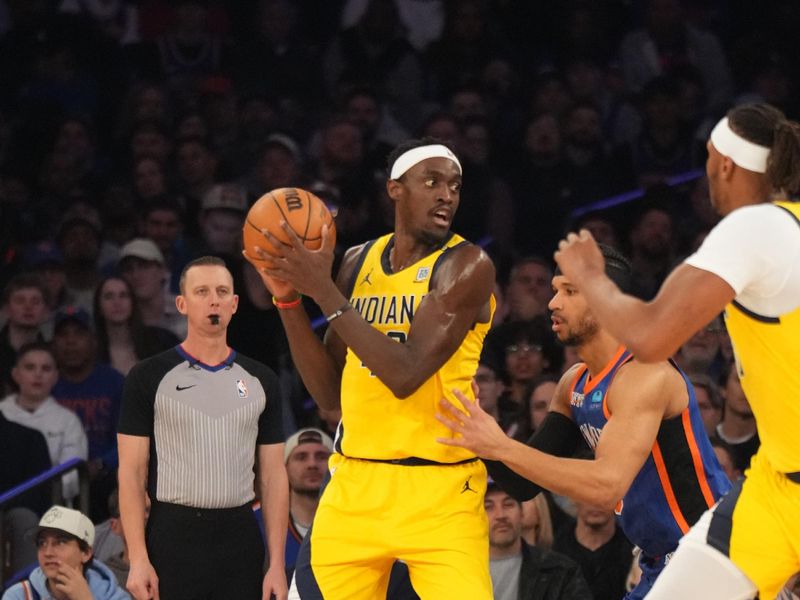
(196, 362)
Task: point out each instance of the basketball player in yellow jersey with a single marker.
(408, 313)
(749, 265)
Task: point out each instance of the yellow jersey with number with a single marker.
(375, 423)
(767, 351)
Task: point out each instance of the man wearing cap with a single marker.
(93, 391)
(66, 568)
(142, 265)
(306, 454)
(222, 214)
(521, 571)
(387, 373)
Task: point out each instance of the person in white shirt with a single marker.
(35, 374)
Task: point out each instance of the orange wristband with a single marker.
(287, 305)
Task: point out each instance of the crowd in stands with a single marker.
(135, 134)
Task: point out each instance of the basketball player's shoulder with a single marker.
(656, 376)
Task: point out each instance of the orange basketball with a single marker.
(302, 210)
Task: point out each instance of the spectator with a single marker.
(197, 166)
(726, 458)
(652, 249)
(528, 290)
(44, 260)
(537, 525)
(117, 559)
(31, 457)
(222, 214)
(122, 338)
(25, 306)
(538, 398)
(520, 571)
(93, 391)
(149, 181)
(708, 401)
(668, 41)
(701, 353)
(80, 241)
(306, 455)
(490, 388)
(35, 374)
(600, 548)
(163, 220)
(738, 425)
(141, 264)
(66, 567)
(376, 52)
(279, 164)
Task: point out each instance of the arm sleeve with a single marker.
(138, 400)
(558, 435)
(270, 423)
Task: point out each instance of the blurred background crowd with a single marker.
(135, 134)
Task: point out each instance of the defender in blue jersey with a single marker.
(652, 462)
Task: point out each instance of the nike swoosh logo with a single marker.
(184, 387)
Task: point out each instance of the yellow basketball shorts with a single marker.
(431, 517)
(759, 527)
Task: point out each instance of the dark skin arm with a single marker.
(688, 300)
(458, 297)
(641, 397)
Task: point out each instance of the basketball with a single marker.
(303, 211)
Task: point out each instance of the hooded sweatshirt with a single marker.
(102, 584)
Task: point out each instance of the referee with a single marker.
(192, 421)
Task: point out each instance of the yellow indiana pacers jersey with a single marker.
(376, 424)
(768, 358)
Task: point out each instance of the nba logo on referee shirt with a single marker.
(422, 274)
(241, 388)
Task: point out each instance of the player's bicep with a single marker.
(637, 409)
(461, 290)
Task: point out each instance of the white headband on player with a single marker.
(416, 155)
(744, 153)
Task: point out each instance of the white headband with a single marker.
(416, 155)
(744, 153)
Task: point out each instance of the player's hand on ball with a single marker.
(474, 428)
(280, 289)
(578, 257)
(308, 271)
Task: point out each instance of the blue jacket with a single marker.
(101, 580)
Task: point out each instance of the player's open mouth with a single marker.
(442, 217)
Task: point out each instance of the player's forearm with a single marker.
(586, 481)
(316, 366)
(275, 511)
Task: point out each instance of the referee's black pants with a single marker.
(205, 554)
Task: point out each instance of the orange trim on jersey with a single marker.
(581, 370)
(698, 462)
(661, 468)
(591, 382)
(606, 410)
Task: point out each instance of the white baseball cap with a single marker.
(309, 435)
(70, 521)
(142, 248)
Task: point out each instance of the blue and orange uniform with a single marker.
(679, 481)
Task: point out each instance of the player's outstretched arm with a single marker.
(623, 447)
(458, 298)
(689, 299)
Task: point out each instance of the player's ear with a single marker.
(394, 188)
